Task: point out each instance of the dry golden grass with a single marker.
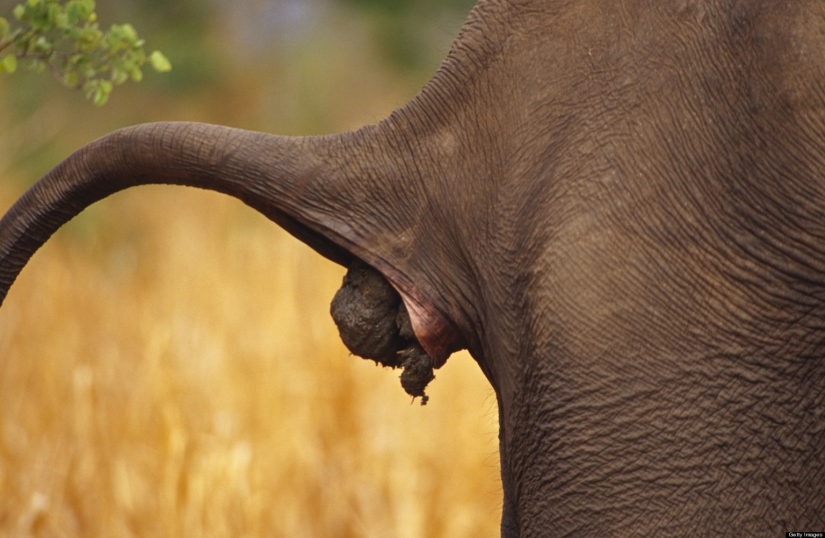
(168, 367)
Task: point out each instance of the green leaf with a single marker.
(54, 13)
(33, 3)
(42, 45)
(19, 11)
(137, 74)
(89, 39)
(119, 76)
(4, 27)
(101, 94)
(71, 13)
(87, 7)
(128, 32)
(79, 10)
(9, 63)
(159, 62)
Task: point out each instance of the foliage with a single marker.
(64, 37)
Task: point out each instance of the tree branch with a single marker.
(59, 76)
(43, 55)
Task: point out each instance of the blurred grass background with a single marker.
(168, 366)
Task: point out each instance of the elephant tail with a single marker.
(265, 171)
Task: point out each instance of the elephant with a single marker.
(617, 207)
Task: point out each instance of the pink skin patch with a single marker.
(433, 332)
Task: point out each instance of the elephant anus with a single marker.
(618, 207)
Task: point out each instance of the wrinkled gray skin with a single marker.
(617, 206)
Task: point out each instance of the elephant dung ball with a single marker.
(418, 372)
(365, 310)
